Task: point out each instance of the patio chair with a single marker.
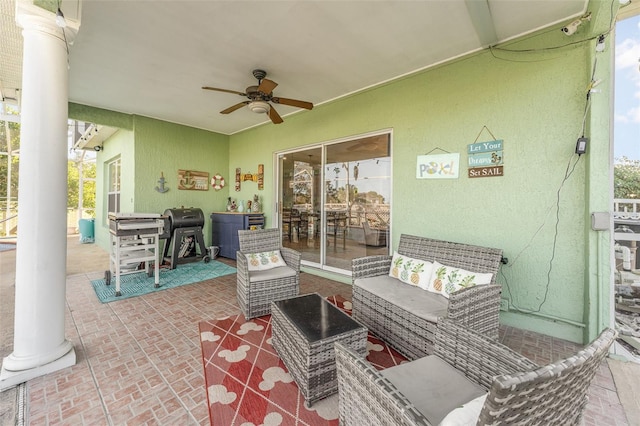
(374, 237)
(470, 379)
(266, 271)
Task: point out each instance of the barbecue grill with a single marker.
(185, 241)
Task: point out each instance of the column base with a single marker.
(9, 379)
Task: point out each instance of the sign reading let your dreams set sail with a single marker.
(485, 159)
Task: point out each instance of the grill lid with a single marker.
(184, 218)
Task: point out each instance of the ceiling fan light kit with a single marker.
(259, 107)
(259, 97)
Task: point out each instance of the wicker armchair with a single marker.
(257, 289)
(374, 237)
(421, 392)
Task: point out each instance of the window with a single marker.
(113, 192)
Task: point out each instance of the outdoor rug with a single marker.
(137, 284)
(247, 383)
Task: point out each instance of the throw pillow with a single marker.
(264, 260)
(448, 279)
(411, 271)
(467, 414)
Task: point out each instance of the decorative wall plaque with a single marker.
(192, 180)
(486, 159)
(438, 166)
(260, 177)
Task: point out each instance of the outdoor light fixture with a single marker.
(600, 44)
(60, 19)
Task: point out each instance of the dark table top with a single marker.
(316, 318)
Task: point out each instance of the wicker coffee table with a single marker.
(304, 329)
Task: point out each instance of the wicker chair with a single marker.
(374, 237)
(424, 391)
(257, 289)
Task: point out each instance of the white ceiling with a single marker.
(152, 57)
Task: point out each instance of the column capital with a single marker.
(31, 17)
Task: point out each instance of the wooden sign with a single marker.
(486, 159)
(477, 172)
(238, 174)
(249, 177)
(192, 180)
(260, 177)
(438, 166)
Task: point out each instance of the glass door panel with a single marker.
(357, 199)
(301, 203)
(334, 201)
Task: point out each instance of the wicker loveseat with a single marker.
(470, 379)
(406, 316)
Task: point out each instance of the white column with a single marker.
(39, 345)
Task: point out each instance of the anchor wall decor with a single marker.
(161, 188)
(192, 180)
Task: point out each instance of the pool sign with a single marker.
(485, 159)
(438, 166)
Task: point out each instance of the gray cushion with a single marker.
(272, 274)
(433, 386)
(419, 302)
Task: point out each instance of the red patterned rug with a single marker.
(248, 385)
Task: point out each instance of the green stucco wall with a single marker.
(535, 103)
(167, 148)
(540, 217)
(120, 146)
(148, 148)
(100, 116)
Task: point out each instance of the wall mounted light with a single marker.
(600, 44)
(60, 21)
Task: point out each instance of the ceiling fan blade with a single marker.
(293, 102)
(274, 116)
(224, 90)
(235, 107)
(266, 86)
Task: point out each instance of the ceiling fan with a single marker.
(259, 97)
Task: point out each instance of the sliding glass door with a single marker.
(301, 202)
(335, 201)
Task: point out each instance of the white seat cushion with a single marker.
(272, 274)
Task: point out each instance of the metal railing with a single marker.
(9, 221)
(626, 208)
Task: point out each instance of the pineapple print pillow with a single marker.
(411, 271)
(264, 260)
(447, 279)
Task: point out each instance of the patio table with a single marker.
(304, 331)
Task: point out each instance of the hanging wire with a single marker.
(437, 148)
(483, 129)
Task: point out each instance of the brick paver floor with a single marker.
(139, 360)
